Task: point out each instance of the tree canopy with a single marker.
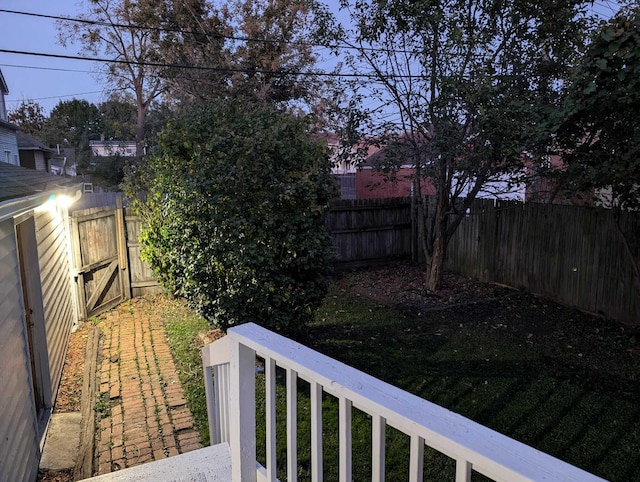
(29, 115)
(123, 30)
(233, 216)
(466, 83)
(599, 130)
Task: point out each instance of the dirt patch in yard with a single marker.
(560, 332)
(70, 392)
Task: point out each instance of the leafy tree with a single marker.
(118, 119)
(464, 83)
(194, 44)
(598, 132)
(73, 123)
(113, 29)
(159, 115)
(193, 50)
(233, 218)
(29, 115)
(109, 171)
(270, 70)
(252, 49)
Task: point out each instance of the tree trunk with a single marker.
(439, 229)
(140, 140)
(434, 283)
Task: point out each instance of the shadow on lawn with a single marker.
(544, 374)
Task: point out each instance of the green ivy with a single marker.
(234, 215)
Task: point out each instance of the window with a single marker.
(7, 157)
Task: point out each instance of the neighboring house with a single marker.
(8, 142)
(37, 310)
(389, 172)
(33, 153)
(347, 171)
(543, 189)
(4, 90)
(104, 148)
(63, 163)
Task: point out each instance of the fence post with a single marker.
(123, 258)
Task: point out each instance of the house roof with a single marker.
(17, 182)
(3, 85)
(399, 152)
(112, 143)
(8, 125)
(28, 143)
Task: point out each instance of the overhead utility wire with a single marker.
(57, 96)
(200, 67)
(56, 69)
(212, 34)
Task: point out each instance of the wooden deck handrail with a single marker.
(472, 445)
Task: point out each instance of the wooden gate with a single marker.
(100, 259)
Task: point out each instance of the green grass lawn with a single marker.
(569, 388)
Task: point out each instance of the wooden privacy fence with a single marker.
(106, 259)
(365, 230)
(571, 254)
(143, 281)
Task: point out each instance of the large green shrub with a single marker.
(233, 217)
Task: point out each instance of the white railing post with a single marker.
(378, 448)
(221, 394)
(212, 405)
(316, 432)
(344, 428)
(292, 425)
(463, 471)
(215, 361)
(416, 459)
(270, 408)
(242, 422)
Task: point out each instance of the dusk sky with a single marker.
(50, 80)
(29, 77)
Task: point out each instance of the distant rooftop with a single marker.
(16, 182)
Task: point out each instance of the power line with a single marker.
(57, 69)
(59, 96)
(158, 29)
(212, 34)
(205, 68)
(343, 46)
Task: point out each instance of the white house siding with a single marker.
(8, 146)
(19, 443)
(51, 237)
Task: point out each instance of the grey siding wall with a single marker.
(19, 450)
(9, 143)
(56, 290)
(41, 163)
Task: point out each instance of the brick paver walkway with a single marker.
(141, 398)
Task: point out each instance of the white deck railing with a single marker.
(231, 404)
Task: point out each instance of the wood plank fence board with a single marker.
(571, 254)
(568, 253)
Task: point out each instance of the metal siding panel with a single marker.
(56, 291)
(19, 447)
